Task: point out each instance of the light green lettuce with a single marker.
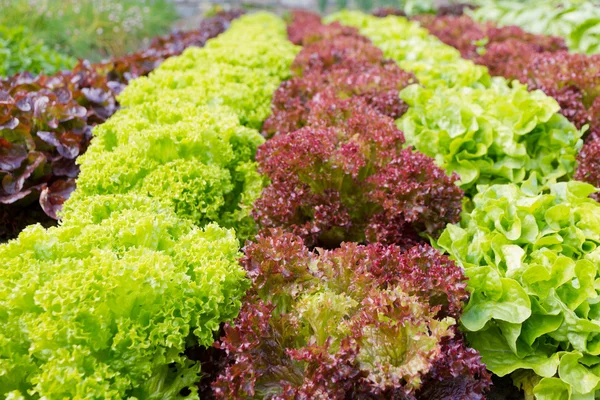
(499, 134)
(240, 69)
(103, 306)
(532, 258)
(187, 135)
(199, 160)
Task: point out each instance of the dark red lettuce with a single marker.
(386, 11)
(336, 162)
(340, 62)
(472, 38)
(360, 322)
(588, 165)
(456, 9)
(345, 177)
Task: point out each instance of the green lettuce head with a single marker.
(532, 257)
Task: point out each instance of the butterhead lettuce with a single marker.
(532, 256)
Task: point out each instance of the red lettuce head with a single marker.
(356, 322)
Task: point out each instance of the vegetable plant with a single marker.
(354, 322)
(530, 255)
(337, 165)
(494, 135)
(105, 305)
(20, 52)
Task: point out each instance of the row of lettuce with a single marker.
(527, 239)
(46, 122)
(540, 62)
(105, 305)
(348, 320)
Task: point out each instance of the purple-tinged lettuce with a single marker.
(325, 54)
(356, 322)
(386, 11)
(345, 177)
(378, 84)
(338, 61)
(471, 38)
(588, 165)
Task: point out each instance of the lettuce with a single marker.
(336, 164)
(355, 322)
(434, 63)
(104, 305)
(473, 39)
(223, 72)
(491, 135)
(539, 61)
(199, 160)
(531, 257)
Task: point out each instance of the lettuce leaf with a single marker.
(197, 159)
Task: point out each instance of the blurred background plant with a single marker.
(410, 7)
(90, 29)
(20, 51)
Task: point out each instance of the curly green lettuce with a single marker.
(104, 306)
(199, 160)
(241, 69)
(532, 256)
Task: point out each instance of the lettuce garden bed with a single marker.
(354, 207)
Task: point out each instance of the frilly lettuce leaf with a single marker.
(199, 160)
(223, 72)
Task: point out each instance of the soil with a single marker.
(503, 389)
